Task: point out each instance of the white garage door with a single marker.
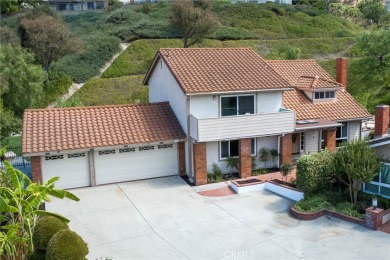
(135, 163)
(72, 169)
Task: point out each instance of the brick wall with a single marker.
(182, 159)
(381, 120)
(245, 157)
(330, 139)
(286, 149)
(36, 169)
(200, 163)
(341, 71)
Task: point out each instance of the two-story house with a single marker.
(231, 102)
(206, 105)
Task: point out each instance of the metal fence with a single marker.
(15, 158)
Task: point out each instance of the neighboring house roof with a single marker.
(59, 129)
(203, 70)
(344, 107)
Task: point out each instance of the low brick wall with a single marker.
(314, 215)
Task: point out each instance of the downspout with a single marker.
(189, 139)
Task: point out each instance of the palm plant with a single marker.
(274, 155)
(264, 155)
(19, 210)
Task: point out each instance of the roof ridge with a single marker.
(290, 60)
(208, 48)
(95, 107)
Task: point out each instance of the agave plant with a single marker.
(19, 210)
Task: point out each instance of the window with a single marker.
(231, 149)
(146, 148)
(302, 142)
(90, 5)
(164, 146)
(76, 155)
(324, 94)
(54, 157)
(105, 152)
(237, 105)
(126, 150)
(342, 134)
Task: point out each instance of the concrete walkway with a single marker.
(167, 219)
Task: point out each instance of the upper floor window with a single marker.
(342, 133)
(324, 94)
(237, 105)
(230, 148)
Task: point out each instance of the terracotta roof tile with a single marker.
(297, 72)
(203, 70)
(61, 129)
(315, 82)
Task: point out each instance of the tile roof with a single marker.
(315, 82)
(344, 107)
(207, 70)
(59, 129)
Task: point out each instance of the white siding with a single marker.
(164, 87)
(269, 101)
(204, 106)
(354, 129)
(383, 151)
(236, 127)
(311, 141)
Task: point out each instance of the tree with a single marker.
(8, 37)
(193, 19)
(21, 81)
(8, 124)
(372, 10)
(19, 210)
(15, 6)
(375, 45)
(50, 39)
(354, 163)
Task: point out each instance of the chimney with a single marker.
(341, 71)
(381, 120)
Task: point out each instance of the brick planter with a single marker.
(314, 215)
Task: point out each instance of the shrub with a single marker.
(313, 203)
(285, 169)
(349, 209)
(232, 163)
(65, 245)
(260, 171)
(57, 85)
(113, 91)
(216, 176)
(99, 49)
(45, 229)
(313, 172)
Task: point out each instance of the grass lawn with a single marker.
(113, 91)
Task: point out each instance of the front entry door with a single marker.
(295, 143)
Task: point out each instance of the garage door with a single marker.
(72, 169)
(135, 163)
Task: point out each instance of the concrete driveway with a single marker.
(166, 219)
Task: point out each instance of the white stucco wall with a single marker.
(164, 87)
(354, 129)
(270, 142)
(204, 106)
(208, 106)
(311, 141)
(212, 150)
(269, 101)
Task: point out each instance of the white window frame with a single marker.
(238, 105)
(324, 93)
(224, 158)
(344, 124)
(302, 142)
